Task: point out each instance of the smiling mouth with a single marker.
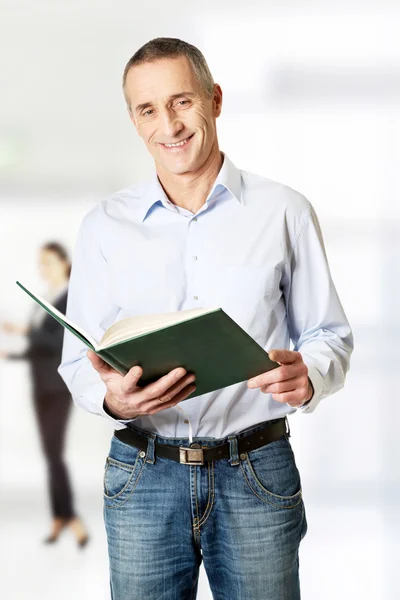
(179, 144)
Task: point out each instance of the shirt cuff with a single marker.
(109, 414)
(318, 384)
(94, 401)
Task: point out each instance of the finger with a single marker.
(154, 405)
(187, 390)
(175, 389)
(283, 386)
(265, 379)
(275, 376)
(284, 357)
(159, 387)
(129, 383)
(278, 375)
(294, 398)
(99, 364)
(166, 397)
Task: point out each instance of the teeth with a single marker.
(177, 144)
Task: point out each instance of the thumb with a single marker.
(283, 357)
(131, 378)
(99, 364)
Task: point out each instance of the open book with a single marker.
(206, 342)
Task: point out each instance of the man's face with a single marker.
(168, 105)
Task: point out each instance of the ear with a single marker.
(217, 100)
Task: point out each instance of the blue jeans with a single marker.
(243, 516)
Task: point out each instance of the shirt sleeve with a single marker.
(317, 323)
(89, 306)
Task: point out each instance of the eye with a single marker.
(183, 102)
(148, 112)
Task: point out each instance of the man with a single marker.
(202, 233)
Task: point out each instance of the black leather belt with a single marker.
(197, 454)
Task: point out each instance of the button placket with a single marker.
(192, 259)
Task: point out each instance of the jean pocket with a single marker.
(272, 475)
(120, 479)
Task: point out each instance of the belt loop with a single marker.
(287, 427)
(150, 448)
(233, 448)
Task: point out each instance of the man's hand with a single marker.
(288, 383)
(127, 400)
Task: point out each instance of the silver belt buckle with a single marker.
(191, 456)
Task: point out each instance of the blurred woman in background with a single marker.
(52, 400)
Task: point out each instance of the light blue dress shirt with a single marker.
(254, 248)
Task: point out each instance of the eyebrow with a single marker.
(173, 97)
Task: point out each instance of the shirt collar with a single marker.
(229, 178)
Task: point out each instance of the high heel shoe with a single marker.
(81, 534)
(58, 525)
(82, 542)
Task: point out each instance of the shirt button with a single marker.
(195, 297)
(194, 257)
(194, 218)
(142, 454)
(186, 421)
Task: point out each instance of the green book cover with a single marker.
(206, 342)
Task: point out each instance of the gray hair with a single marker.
(172, 48)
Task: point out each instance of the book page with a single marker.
(54, 312)
(134, 326)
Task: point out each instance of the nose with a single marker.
(170, 126)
